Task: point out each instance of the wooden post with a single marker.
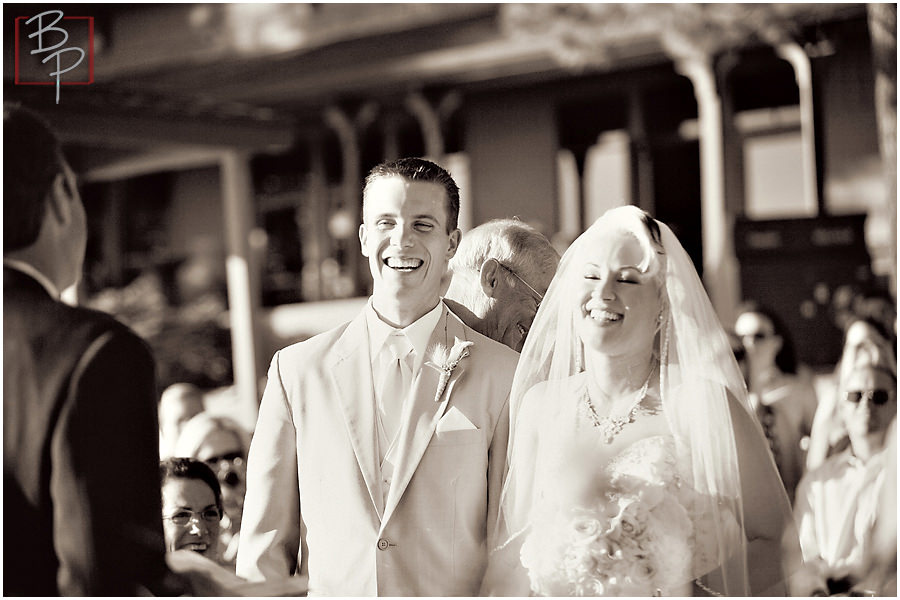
(346, 130)
(237, 198)
(798, 59)
(719, 261)
(430, 123)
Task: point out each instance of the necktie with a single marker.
(395, 384)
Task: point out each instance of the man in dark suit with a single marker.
(81, 502)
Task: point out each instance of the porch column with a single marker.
(390, 127)
(346, 129)
(641, 155)
(430, 123)
(719, 261)
(799, 60)
(237, 198)
(319, 246)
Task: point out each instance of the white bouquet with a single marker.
(634, 543)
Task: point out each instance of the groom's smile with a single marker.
(405, 265)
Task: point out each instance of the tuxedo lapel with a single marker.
(352, 376)
(422, 413)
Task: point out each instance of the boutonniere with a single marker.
(446, 360)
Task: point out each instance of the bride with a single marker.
(635, 466)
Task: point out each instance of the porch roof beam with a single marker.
(148, 131)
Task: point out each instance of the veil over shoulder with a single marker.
(703, 398)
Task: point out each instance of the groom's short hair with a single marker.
(32, 158)
(419, 169)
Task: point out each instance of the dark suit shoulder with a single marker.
(50, 320)
(87, 325)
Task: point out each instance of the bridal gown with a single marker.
(612, 519)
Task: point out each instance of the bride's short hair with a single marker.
(644, 228)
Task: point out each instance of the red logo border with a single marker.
(90, 21)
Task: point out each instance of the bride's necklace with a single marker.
(610, 427)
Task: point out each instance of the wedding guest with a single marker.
(784, 400)
(882, 575)
(222, 444)
(635, 466)
(178, 403)
(866, 342)
(377, 460)
(91, 410)
(739, 352)
(191, 506)
(838, 504)
(500, 275)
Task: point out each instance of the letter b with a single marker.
(42, 30)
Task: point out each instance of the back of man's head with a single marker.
(515, 244)
(32, 158)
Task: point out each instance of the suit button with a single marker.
(383, 544)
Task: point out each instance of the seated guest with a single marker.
(192, 510)
(785, 402)
(191, 506)
(222, 444)
(177, 404)
(501, 272)
(866, 341)
(838, 504)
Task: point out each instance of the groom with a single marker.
(377, 459)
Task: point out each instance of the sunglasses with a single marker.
(757, 336)
(878, 397)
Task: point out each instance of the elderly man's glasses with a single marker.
(878, 397)
(183, 517)
(540, 296)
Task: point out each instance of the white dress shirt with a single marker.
(835, 510)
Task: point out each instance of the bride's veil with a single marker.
(698, 374)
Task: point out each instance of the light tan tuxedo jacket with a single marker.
(314, 501)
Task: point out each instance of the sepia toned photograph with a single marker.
(450, 299)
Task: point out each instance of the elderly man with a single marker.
(500, 275)
(839, 504)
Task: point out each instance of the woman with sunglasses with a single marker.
(840, 504)
(784, 400)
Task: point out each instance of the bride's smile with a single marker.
(603, 316)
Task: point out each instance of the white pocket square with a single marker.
(454, 420)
